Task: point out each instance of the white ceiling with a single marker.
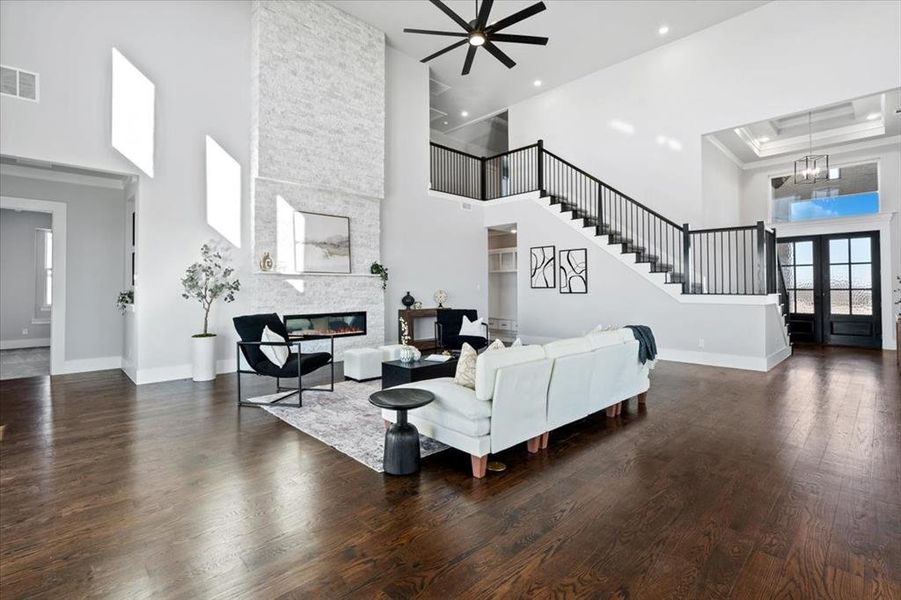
(864, 119)
(585, 36)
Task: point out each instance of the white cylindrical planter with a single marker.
(204, 358)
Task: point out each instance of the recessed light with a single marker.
(445, 122)
(763, 140)
(663, 29)
(537, 83)
(661, 139)
(873, 116)
(464, 114)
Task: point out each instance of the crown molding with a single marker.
(61, 177)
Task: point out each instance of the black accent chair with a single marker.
(250, 330)
(447, 329)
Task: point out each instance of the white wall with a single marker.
(427, 243)
(94, 261)
(720, 187)
(18, 283)
(198, 55)
(743, 70)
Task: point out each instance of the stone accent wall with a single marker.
(318, 143)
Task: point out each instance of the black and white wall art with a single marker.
(321, 243)
(574, 271)
(543, 267)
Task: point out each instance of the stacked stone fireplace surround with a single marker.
(318, 139)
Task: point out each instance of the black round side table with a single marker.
(402, 438)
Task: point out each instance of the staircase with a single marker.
(727, 261)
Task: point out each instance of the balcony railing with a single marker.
(728, 260)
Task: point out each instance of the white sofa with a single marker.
(523, 393)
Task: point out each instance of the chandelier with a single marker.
(812, 167)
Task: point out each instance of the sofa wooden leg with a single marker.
(544, 439)
(533, 444)
(479, 465)
(611, 412)
(387, 423)
(642, 397)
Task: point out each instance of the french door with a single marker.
(833, 288)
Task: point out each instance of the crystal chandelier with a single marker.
(812, 167)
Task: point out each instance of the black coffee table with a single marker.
(402, 438)
(395, 372)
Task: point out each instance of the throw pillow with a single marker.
(472, 328)
(277, 355)
(496, 345)
(516, 343)
(466, 367)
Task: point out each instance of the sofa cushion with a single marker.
(451, 397)
(465, 375)
(561, 348)
(488, 363)
(601, 339)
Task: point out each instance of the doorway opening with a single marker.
(502, 283)
(833, 284)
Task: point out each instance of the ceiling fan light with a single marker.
(477, 38)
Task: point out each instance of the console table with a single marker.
(409, 315)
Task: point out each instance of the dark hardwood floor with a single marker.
(730, 484)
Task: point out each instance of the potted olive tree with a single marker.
(206, 281)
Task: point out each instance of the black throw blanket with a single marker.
(647, 347)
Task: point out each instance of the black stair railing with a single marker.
(727, 260)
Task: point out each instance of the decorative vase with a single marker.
(406, 354)
(266, 263)
(408, 300)
(417, 305)
(204, 351)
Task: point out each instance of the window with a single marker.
(850, 191)
(43, 273)
(796, 259)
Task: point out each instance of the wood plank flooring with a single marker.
(729, 484)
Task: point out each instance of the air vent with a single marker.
(18, 83)
(436, 88)
(435, 114)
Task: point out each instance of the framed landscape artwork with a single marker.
(574, 271)
(543, 267)
(321, 243)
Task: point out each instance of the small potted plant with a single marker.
(381, 270)
(206, 281)
(124, 300)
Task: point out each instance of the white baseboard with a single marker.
(175, 372)
(777, 357)
(84, 365)
(714, 359)
(17, 344)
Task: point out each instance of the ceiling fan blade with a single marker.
(498, 54)
(433, 32)
(515, 17)
(482, 19)
(442, 51)
(446, 10)
(470, 54)
(519, 39)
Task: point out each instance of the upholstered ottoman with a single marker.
(390, 352)
(361, 364)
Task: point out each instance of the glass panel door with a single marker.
(851, 314)
(833, 288)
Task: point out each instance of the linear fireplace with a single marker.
(339, 324)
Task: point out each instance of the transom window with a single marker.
(850, 191)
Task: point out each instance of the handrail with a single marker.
(498, 155)
(454, 150)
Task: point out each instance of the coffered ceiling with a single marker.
(585, 36)
(864, 119)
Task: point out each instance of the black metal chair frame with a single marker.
(299, 390)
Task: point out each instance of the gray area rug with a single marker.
(345, 420)
(24, 362)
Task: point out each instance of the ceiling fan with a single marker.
(479, 33)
